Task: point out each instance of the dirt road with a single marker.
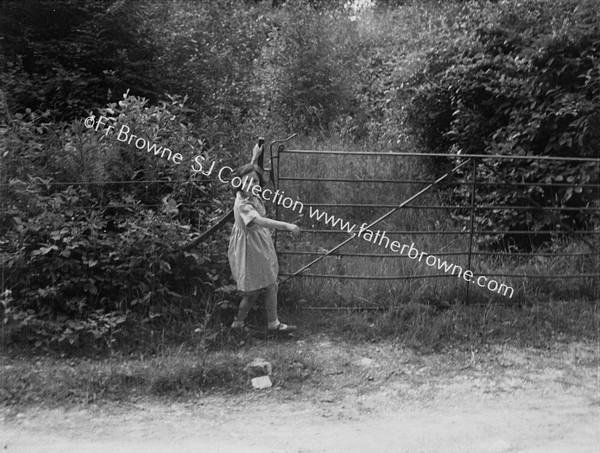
(385, 400)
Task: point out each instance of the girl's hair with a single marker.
(247, 169)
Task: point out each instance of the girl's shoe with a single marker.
(282, 329)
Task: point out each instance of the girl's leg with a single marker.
(271, 306)
(245, 305)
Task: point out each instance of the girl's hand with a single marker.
(294, 229)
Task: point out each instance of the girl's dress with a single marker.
(251, 253)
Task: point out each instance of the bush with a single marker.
(527, 82)
(206, 50)
(86, 250)
(65, 58)
(306, 70)
(65, 266)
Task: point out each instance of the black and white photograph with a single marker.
(300, 226)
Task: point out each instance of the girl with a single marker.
(251, 252)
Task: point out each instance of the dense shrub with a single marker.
(308, 68)
(70, 274)
(206, 50)
(93, 243)
(65, 57)
(526, 82)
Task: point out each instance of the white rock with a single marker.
(262, 382)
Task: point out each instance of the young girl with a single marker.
(251, 252)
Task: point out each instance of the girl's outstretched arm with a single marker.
(277, 225)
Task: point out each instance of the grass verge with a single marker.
(185, 370)
(427, 329)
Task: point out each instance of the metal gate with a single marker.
(297, 171)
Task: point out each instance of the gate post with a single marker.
(473, 187)
(275, 172)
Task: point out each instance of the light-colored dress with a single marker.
(251, 253)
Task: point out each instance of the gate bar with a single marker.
(393, 255)
(427, 181)
(477, 156)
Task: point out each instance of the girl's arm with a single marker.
(276, 224)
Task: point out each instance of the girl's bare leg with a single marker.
(245, 306)
(271, 304)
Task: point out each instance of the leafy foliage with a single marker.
(90, 247)
(307, 68)
(207, 51)
(64, 57)
(526, 82)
